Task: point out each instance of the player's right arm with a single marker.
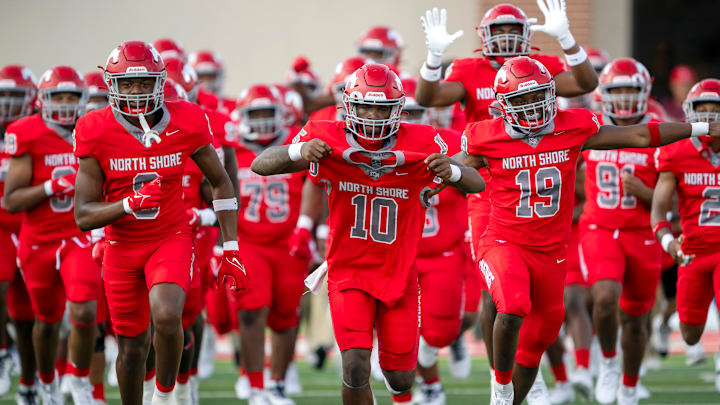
(431, 92)
(90, 211)
(19, 194)
(290, 158)
(662, 202)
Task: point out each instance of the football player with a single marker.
(381, 44)
(625, 272)
(531, 152)
(690, 169)
(18, 93)
(441, 265)
(132, 157)
(376, 171)
(97, 91)
(505, 31)
(270, 210)
(54, 254)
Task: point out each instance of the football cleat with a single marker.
(502, 394)
(6, 366)
(627, 396)
(608, 380)
(242, 387)
(562, 393)
(695, 354)
(538, 394)
(582, 382)
(460, 361)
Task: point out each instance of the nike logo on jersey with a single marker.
(168, 133)
(500, 241)
(559, 260)
(400, 174)
(649, 242)
(559, 132)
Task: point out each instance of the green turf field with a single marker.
(673, 384)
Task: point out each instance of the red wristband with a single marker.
(660, 225)
(654, 134)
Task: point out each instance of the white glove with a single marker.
(437, 39)
(556, 22)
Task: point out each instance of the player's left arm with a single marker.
(648, 135)
(455, 174)
(222, 190)
(581, 78)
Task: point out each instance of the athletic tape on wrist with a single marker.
(126, 205)
(231, 245)
(226, 204)
(322, 231)
(430, 74)
(47, 186)
(666, 240)
(576, 58)
(566, 41)
(305, 222)
(295, 151)
(700, 128)
(455, 173)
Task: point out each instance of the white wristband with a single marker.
(666, 240)
(322, 231)
(97, 234)
(207, 216)
(47, 186)
(433, 59)
(430, 74)
(305, 222)
(126, 205)
(231, 245)
(455, 173)
(700, 128)
(227, 204)
(295, 151)
(566, 41)
(576, 58)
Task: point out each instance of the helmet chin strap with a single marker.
(150, 135)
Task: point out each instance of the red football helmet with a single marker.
(625, 73)
(343, 70)
(173, 91)
(183, 74)
(413, 112)
(294, 111)
(169, 48)
(504, 44)
(520, 76)
(61, 79)
(707, 90)
(17, 93)
(135, 59)
(252, 102)
(97, 91)
(373, 84)
(209, 68)
(598, 58)
(381, 39)
(301, 72)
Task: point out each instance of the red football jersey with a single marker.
(532, 191)
(51, 151)
(446, 217)
(269, 205)
(606, 203)
(8, 221)
(376, 217)
(127, 164)
(477, 75)
(329, 113)
(697, 172)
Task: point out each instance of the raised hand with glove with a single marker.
(437, 40)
